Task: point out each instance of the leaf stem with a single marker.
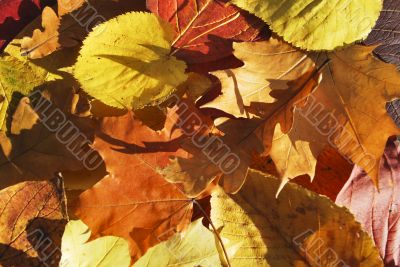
(215, 230)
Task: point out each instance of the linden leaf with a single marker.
(102, 252)
(317, 24)
(32, 220)
(195, 247)
(386, 33)
(205, 29)
(378, 211)
(300, 228)
(127, 65)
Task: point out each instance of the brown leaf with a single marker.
(32, 221)
(134, 201)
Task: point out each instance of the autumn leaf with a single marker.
(385, 33)
(14, 16)
(205, 29)
(378, 212)
(196, 247)
(393, 108)
(34, 151)
(31, 223)
(16, 77)
(133, 188)
(300, 228)
(69, 26)
(256, 87)
(229, 156)
(316, 25)
(133, 71)
(102, 252)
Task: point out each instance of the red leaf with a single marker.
(206, 28)
(378, 212)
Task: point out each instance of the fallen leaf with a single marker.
(35, 150)
(195, 247)
(316, 24)
(393, 108)
(15, 15)
(385, 34)
(116, 205)
(300, 228)
(205, 29)
(31, 223)
(378, 212)
(258, 85)
(134, 71)
(102, 252)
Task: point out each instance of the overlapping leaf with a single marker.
(317, 24)
(32, 221)
(205, 29)
(134, 201)
(378, 211)
(102, 252)
(196, 247)
(300, 228)
(386, 33)
(133, 71)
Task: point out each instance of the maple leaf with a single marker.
(31, 223)
(385, 33)
(102, 252)
(133, 71)
(256, 87)
(242, 138)
(316, 24)
(205, 29)
(196, 247)
(116, 205)
(300, 228)
(378, 212)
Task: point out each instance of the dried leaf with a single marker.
(378, 212)
(300, 228)
(31, 223)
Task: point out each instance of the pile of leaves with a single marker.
(200, 133)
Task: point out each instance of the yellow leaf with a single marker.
(196, 247)
(300, 228)
(317, 24)
(102, 252)
(125, 62)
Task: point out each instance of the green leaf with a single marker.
(104, 251)
(197, 247)
(317, 24)
(126, 62)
